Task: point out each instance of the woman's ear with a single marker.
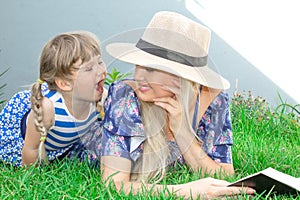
(63, 84)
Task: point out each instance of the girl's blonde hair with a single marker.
(153, 164)
(57, 61)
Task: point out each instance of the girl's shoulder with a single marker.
(48, 110)
(53, 95)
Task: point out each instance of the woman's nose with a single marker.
(139, 74)
(140, 78)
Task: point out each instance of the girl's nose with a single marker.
(103, 75)
(101, 69)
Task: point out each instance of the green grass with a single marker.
(263, 137)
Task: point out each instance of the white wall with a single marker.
(255, 42)
(266, 33)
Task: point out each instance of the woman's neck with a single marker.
(207, 96)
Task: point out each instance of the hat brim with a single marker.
(203, 75)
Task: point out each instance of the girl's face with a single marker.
(151, 83)
(89, 80)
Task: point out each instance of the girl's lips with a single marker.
(100, 86)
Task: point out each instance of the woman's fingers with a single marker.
(232, 191)
(173, 109)
(175, 88)
(223, 188)
(172, 89)
(210, 188)
(170, 104)
(218, 182)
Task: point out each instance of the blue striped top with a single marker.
(66, 129)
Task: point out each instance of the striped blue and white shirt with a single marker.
(67, 135)
(66, 129)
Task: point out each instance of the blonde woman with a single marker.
(49, 121)
(174, 110)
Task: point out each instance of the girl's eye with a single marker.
(100, 61)
(88, 68)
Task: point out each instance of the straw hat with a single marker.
(175, 44)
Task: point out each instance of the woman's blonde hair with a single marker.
(153, 164)
(57, 61)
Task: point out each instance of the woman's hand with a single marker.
(117, 169)
(171, 105)
(210, 188)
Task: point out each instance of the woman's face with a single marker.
(151, 83)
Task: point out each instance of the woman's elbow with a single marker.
(227, 169)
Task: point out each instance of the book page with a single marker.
(282, 177)
(271, 180)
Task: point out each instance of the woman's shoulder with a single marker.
(223, 95)
(213, 98)
(121, 89)
(121, 106)
(121, 96)
(220, 101)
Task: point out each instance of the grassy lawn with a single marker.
(263, 137)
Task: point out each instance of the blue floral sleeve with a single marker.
(122, 121)
(215, 129)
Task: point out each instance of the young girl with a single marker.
(175, 110)
(49, 121)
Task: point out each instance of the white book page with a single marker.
(282, 177)
(276, 175)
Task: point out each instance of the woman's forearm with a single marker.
(206, 188)
(197, 159)
(138, 187)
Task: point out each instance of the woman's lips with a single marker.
(144, 88)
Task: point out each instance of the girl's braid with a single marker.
(36, 107)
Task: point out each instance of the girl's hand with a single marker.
(210, 188)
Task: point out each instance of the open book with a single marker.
(271, 180)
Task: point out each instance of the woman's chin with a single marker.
(144, 97)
